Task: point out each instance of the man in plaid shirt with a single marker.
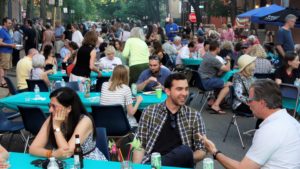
(171, 128)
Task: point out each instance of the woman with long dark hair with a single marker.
(68, 117)
(50, 58)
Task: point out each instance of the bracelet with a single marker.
(216, 153)
(49, 153)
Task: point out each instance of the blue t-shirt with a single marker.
(171, 28)
(285, 39)
(4, 34)
(162, 75)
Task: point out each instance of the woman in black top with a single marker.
(289, 72)
(85, 60)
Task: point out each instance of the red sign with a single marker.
(192, 17)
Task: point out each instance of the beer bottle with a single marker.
(78, 155)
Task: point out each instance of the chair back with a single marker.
(33, 118)
(264, 76)
(113, 118)
(99, 83)
(196, 80)
(290, 96)
(4, 122)
(11, 87)
(72, 85)
(42, 85)
(101, 141)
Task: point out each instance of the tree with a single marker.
(43, 9)
(29, 9)
(2, 8)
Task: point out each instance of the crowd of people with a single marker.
(151, 57)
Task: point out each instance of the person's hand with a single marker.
(158, 86)
(62, 153)
(227, 58)
(209, 145)
(13, 46)
(152, 79)
(99, 74)
(58, 117)
(139, 99)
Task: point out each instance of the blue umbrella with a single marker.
(278, 18)
(255, 14)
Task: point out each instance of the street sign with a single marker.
(192, 17)
(201, 6)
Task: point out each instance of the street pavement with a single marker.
(216, 126)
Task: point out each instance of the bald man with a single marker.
(23, 69)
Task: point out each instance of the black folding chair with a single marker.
(101, 141)
(290, 96)
(42, 85)
(111, 117)
(33, 119)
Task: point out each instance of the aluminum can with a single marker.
(133, 89)
(155, 160)
(208, 163)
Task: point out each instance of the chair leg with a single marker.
(228, 128)
(23, 137)
(9, 141)
(26, 143)
(238, 130)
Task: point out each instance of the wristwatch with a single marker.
(216, 153)
(57, 129)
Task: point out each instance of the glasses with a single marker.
(173, 121)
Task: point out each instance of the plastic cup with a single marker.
(126, 165)
(158, 93)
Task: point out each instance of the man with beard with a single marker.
(171, 128)
(154, 76)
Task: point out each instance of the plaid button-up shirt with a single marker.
(189, 122)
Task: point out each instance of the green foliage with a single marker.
(217, 8)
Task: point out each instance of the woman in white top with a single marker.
(110, 61)
(37, 71)
(116, 91)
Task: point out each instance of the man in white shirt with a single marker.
(276, 144)
(109, 62)
(188, 51)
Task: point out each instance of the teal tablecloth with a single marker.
(59, 75)
(191, 61)
(227, 75)
(28, 99)
(22, 161)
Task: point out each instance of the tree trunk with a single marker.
(29, 9)
(43, 11)
(2, 8)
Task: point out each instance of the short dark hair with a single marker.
(4, 20)
(173, 76)
(154, 57)
(29, 22)
(213, 45)
(267, 90)
(191, 44)
(289, 56)
(73, 45)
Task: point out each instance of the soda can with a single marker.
(133, 89)
(208, 163)
(155, 161)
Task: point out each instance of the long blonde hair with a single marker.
(120, 76)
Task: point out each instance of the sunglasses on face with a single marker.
(173, 121)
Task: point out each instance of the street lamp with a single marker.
(72, 14)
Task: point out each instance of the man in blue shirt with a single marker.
(284, 38)
(6, 49)
(154, 76)
(171, 29)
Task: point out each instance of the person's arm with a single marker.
(227, 162)
(92, 63)
(226, 67)
(280, 50)
(6, 44)
(3, 153)
(278, 81)
(126, 49)
(131, 110)
(141, 86)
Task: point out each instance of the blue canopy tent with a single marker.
(278, 18)
(255, 14)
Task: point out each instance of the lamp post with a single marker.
(72, 14)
